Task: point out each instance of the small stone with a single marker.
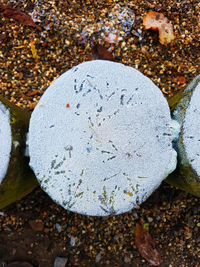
(127, 259)
(67, 42)
(58, 227)
(36, 225)
(72, 241)
(98, 257)
(60, 262)
(135, 214)
(188, 235)
(150, 219)
(158, 218)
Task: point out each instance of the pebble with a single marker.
(98, 257)
(127, 259)
(72, 241)
(188, 235)
(150, 219)
(60, 262)
(58, 227)
(158, 218)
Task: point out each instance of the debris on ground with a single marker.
(60, 262)
(112, 28)
(146, 246)
(17, 14)
(158, 22)
(101, 52)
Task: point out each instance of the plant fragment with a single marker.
(146, 246)
(17, 14)
(101, 52)
(157, 21)
(33, 50)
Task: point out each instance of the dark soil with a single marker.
(172, 216)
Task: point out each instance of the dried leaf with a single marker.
(18, 47)
(33, 50)
(101, 52)
(146, 246)
(17, 14)
(33, 93)
(157, 21)
(26, 97)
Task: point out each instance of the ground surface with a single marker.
(29, 61)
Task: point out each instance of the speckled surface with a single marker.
(191, 130)
(99, 139)
(5, 140)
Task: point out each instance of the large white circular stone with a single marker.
(5, 140)
(191, 130)
(100, 140)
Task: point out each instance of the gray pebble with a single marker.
(60, 262)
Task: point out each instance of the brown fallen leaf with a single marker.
(26, 97)
(101, 52)
(33, 93)
(146, 246)
(17, 14)
(157, 21)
